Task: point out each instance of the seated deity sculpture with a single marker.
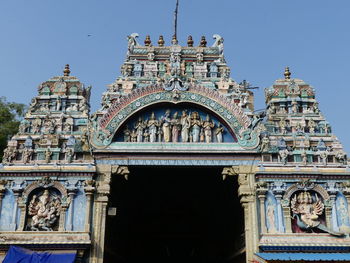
(45, 210)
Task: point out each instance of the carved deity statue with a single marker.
(152, 125)
(48, 155)
(270, 215)
(139, 126)
(69, 154)
(45, 211)
(312, 126)
(265, 143)
(208, 125)
(27, 155)
(196, 125)
(219, 130)
(9, 154)
(282, 125)
(166, 126)
(175, 123)
(133, 136)
(284, 155)
(307, 209)
(185, 126)
(127, 133)
(36, 125)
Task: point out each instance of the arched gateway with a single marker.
(175, 164)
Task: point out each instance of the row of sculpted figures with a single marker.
(45, 205)
(189, 127)
(304, 207)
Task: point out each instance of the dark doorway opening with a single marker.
(172, 213)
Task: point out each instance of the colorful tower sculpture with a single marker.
(176, 106)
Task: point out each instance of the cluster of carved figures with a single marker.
(307, 208)
(27, 151)
(189, 127)
(44, 210)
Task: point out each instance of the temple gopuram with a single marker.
(176, 164)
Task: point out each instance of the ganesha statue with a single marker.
(45, 210)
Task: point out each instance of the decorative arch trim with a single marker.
(314, 187)
(141, 98)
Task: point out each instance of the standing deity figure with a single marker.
(185, 126)
(175, 64)
(196, 126)
(271, 217)
(265, 143)
(146, 136)
(304, 157)
(166, 126)
(207, 126)
(9, 154)
(312, 126)
(36, 125)
(175, 123)
(283, 126)
(283, 155)
(48, 154)
(27, 155)
(45, 211)
(139, 126)
(323, 155)
(133, 136)
(343, 216)
(127, 133)
(152, 125)
(69, 155)
(295, 106)
(302, 124)
(58, 103)
(218, 133)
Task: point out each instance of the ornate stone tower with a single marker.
(176, 155)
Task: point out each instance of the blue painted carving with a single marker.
(79, 210)
(321, 146)
(342, 213)
(271, 213)
(137, 70)
(6, 214)
(28, 142)
(213, 73)
(159, 112)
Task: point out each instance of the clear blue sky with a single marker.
(38, 37)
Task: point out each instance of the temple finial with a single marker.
(203, 42)
(161, 41)
(190, 41)
(174, 40)
(66, 70)
(287, 73)
(148, 41)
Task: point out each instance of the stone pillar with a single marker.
(246, 192)
(261, 192)
(13, 225)
(281, 229)
(2, 191)
(287, 216)
(71, 194)
(100, 208)
(89, 191)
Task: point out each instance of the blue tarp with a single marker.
(22, 255)
(305, 256)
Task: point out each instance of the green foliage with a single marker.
(11, 114)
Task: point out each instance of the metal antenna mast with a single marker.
(175, 18)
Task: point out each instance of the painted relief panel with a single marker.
(342, 213)
(271, 213)
(79, 211)
(181, 123)
(7, 208)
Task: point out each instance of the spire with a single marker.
(287, 73)
(175, 18)
(66, 70)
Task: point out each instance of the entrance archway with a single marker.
(173, 213)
